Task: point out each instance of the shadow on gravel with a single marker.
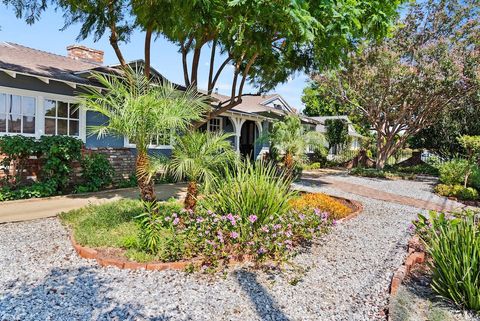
(67, 294)
(266, 307)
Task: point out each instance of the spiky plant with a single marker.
(141, 109)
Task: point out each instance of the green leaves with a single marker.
(454, 245)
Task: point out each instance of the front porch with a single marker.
(247, 129)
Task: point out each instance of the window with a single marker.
(214, 124)
(164, 139)
(17, 114)
(61, 118)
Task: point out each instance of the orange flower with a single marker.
(322, 202)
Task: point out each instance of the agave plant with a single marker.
(141, 109)
(200, 158)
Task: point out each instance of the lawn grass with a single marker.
(111, 225)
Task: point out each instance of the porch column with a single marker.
(237, 124)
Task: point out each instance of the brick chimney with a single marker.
(84, 53)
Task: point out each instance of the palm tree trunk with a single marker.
(147, 190)
(288, 161)
(191, 198)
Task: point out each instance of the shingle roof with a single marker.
(18, 58)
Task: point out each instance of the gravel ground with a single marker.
(346, 277)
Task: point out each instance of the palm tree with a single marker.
(289, 139)
(142, 110)
(199, 158)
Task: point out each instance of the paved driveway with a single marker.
(24, 210)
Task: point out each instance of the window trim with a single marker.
(220, 124)
(40, 97)
(127, 144)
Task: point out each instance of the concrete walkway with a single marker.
(24, 210)
(324, 180)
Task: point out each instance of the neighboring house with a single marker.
(355, 137)
(38, 97)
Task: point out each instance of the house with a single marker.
(356, 138)
(38, 96)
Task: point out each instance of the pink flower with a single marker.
(301, 216)
(265, 229)
(199, 219)
(252, 218)
(231, 219)
(176, 221)
(261, 250)
(234, 235)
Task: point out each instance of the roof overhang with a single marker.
(47, 80)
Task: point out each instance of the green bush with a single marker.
(454, 245)
(17, 149)
(36, 190)
(58, 153)
(252, 189)
(463, 193)
(453, 172)
(468, 194)
(97, 173)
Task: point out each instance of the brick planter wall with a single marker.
(122, 160)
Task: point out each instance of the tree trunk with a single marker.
(191, 198)
(147, 190)
(289, 162)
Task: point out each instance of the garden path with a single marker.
(384, 192)
(24, 210)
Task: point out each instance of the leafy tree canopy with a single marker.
(404, 83)
(265, 41)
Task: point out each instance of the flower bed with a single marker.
(112, 234)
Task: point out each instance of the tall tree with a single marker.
(264, 41)
(403, 84)
(142, 110)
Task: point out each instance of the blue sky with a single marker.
(46, 35)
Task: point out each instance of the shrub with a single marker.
(312, 166)
(454, 245)
(468, 193)
(453, 172)
(17, 150)
(322, 202)
(58, 153)
(36, 190)
(464, 193)
(97, 173)
(257, 189)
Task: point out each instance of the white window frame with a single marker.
(220, 124)
(126, 143)
(40, 110)
(68, 118)
(21, 116)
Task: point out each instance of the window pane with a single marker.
(49, 126)
(74, 111)
(28, 106)
(15, 106)
(62, 128)
(3, 123)
(3, 103)
(14, 124)
(50, 108)
(73, 131)
(62, 109)
(28, 124)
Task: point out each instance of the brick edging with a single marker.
(89, 253)
(357, 204)
(416, 255)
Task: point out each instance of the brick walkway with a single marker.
(447, 206)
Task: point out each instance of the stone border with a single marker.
(416, 255)
(92, 254)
